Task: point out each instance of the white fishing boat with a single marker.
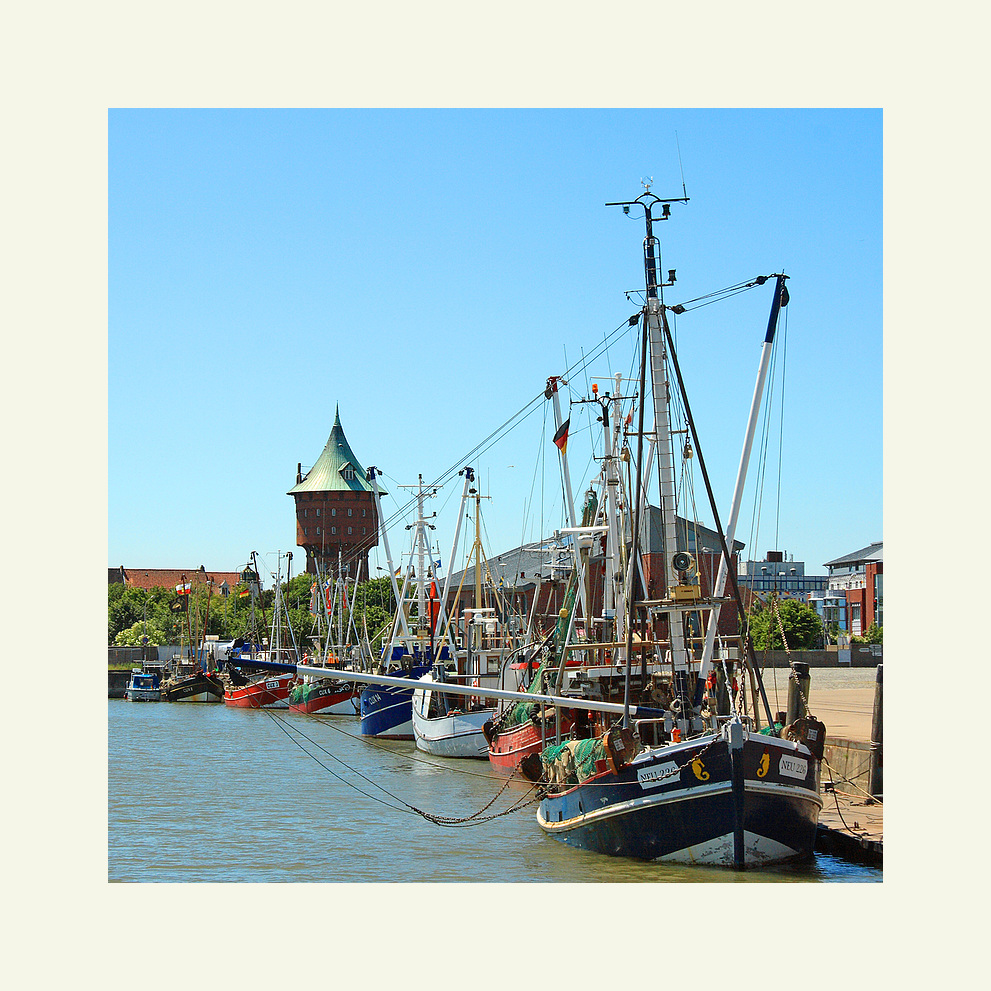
(446, 725)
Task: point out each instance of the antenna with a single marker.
(682, 167)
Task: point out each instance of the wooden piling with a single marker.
(798, 690)
(876, 786)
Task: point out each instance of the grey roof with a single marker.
(327, 475)
(872, 552)
(552, 557)
(521, 566)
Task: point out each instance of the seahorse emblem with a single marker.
(764, 763)
(699, 768)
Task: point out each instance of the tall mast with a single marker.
(780, 299)
(401, 616)
(660, 388)
(663, 445)
(561, 428)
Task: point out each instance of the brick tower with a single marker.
(335, 509)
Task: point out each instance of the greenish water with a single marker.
(210, 793)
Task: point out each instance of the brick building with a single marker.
(335, 509)
(859, 577)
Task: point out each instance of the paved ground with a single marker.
(847, 712)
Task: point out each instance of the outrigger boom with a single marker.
(448, 688)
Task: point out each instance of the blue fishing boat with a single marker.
(419, 638)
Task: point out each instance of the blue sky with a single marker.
(426, 271)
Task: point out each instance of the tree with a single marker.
(874, 634)
(164, 613)
(802, 626)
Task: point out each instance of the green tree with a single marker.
(874, 634)
(132, 636)
(130, 611)
(802, 626)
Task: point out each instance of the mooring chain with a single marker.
(476, 817)
(472, 820)
(784, 640)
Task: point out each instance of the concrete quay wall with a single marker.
(859, 657)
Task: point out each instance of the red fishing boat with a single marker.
(268, 692)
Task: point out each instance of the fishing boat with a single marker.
(190, 685)
(386, 710)
(142, 687)
(248, 690)
(522, 729)
(697, 782)
(192, 678)
(317, 695)
(446, 725)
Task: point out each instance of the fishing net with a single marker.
(573, 761)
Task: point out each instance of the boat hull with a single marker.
(509, 746)
(387, 711)
(197, 688)
(266, 693)
(676, 804)
(331, 698)
(143, 694)
(458, 734)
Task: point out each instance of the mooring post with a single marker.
(798, 690)
(876, 786)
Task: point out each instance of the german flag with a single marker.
(244, 593)
(561, 437)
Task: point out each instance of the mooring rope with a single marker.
(476, 818)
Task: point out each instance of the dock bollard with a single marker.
(876, 780)
(798, 689)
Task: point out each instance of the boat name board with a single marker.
(271, 684)
(793, 767)
(651, 777)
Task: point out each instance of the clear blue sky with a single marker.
(428, 270)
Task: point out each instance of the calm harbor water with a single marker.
(209, 793)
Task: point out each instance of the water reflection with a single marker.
(206, 793)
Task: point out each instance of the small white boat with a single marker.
(448, 725)
(143, 687)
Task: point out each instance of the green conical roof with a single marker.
(337, 469)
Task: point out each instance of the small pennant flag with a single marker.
(244, 593)
(561, 437)
(182, 589)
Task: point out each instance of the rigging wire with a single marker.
(524, 412)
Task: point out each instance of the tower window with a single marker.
(333, 529)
